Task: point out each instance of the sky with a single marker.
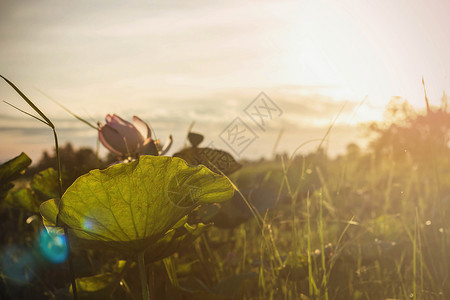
(175, 62)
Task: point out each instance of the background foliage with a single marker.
(369, 224)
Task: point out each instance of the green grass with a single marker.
(364, 225)
(345, 228)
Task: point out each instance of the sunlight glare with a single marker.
(17, 264)
(53, 248)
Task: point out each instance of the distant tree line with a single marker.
(403, 134)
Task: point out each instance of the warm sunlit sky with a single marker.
(174, 62)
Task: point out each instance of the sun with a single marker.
(324, 46)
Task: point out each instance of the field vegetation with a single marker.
(369, 224)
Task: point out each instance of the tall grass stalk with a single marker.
(49, 123)
(295, 241)
(213, 261)
(321, 229)
(69, 111)
(328, 204)
(313, 291)
(442, 211)
(261, 281)
(415, 250)
(171, 269)
(398, 265)
(244, 247)
(388, 191)
(94, 125)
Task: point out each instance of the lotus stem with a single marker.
(143, 276)
(66, 230)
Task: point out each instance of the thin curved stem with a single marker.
(49, 123)
(66, 231)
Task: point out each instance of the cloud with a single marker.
(91, 50)
(305, 116)
(172, 63)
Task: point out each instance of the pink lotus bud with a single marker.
(124, 138)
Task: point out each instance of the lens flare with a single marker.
(17, 264)
(87, 224)
(53, 247)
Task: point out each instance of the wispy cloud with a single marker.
(176, 62)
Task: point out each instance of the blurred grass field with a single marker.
(369, 224)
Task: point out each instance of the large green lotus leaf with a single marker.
(180, 235)
(10, 170)
(49, 213)
(46, 183)
(132, 205)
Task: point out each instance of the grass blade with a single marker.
(28, 114)
(50, 124)
(34, 107)
(68, 110)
